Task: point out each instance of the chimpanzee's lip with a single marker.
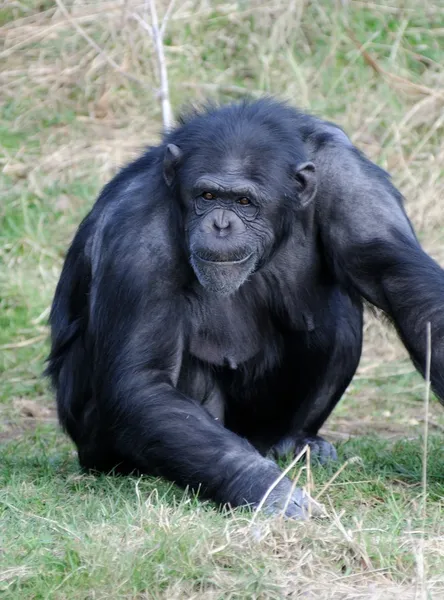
(225, 263)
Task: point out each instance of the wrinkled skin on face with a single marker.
(224, 249)
(234, 217)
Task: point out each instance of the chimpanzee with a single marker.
(208, 316)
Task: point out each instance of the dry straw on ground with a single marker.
(97, 60)
(90, 71)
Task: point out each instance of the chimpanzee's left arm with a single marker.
(371, 245)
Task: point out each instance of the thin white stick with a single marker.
(349, 461)
(142, 23)
(426, 417)
(166, 16)
(420, 556)
(293, 487)
(278, 480)
(167, 115)
(45, 519)
(309, 477)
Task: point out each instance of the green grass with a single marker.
(67, 121)
(66, 532)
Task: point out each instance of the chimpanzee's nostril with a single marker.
(220, 226)
(221, 221)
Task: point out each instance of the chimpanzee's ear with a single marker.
(305, 175)
(171, 160)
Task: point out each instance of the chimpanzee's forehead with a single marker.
(248, 135)
(243, 161)
(240, 145)
(244, 173)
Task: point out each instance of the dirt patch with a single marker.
(23, 416)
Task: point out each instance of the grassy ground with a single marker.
(77, 101)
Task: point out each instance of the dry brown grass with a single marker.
(96, 60)
(78, 80)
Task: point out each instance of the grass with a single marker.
(127, 537)
(68, 119)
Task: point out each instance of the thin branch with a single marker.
(419, 554)
(352, 460)
(166, 16)
(24, 343)
(391, 77)
(278, 480)
(142, 23)
(292, 489)
(51, 522)
(426, 415)
(97, 48)
(157, 34)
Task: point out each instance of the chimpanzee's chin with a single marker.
(223, 278)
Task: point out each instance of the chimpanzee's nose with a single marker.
(221, 221)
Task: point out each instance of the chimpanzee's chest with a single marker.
(226, 332)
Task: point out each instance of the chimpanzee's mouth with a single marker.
(222, 261)
(222, 272)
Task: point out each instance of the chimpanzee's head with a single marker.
(242, 177)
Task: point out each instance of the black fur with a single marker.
(169, 363)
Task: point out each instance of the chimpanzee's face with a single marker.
(229, 229)
(237, 203)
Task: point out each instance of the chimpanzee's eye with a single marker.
(208, 196)
(244, 201)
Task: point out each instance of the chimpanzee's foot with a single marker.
(320, 449)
